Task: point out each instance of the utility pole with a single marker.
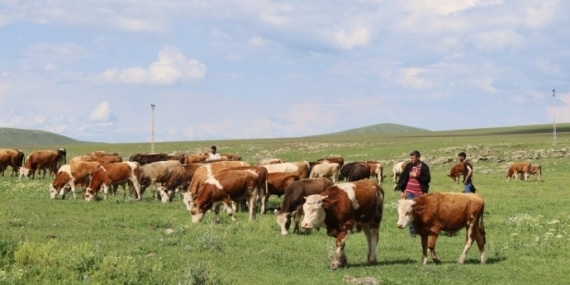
(553, 117)
(152, 130)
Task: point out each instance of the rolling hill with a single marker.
(10, 137)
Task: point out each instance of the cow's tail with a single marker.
(482, 226)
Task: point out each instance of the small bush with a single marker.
(200, 275)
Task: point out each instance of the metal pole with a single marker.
(553, 116)
(152, 130)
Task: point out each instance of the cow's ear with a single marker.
(418, 208)
(329, 203)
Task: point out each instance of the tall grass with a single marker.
(122, 241)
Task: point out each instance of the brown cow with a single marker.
(178, 178)
(43, 160)
(450, 212)
(144, 158)
(11, 157)
(354, 171)
(196, 158)
(267, 161)
(113, 173)
(98, 157)
(326, 169)
(226, 186)
(516, 168)
(334, 159)
(157, 172)
(292, 204)
(456, 172)
(344, 207)
(277, 182)
(71, 175)
(534, 169)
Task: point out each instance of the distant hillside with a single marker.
(21, 138)
(381, 129)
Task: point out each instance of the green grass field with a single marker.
(122, 241)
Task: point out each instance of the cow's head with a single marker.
(165, 195)
(53, 192)
(90, 195)
(284, 221)
(405, 208)
(24, 171)
(314, 212)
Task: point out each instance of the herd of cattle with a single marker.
(331, 193)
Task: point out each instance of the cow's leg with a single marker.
(424, 240)
(264, 202)
(469, 239)
(371, 234)
(253, 194)
(480, 238)
(164, 197)
(137, 186)
(339, 257)
(431, 246)
(296, 219)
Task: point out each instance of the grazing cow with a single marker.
(13, 158)
(456, 172)
(277, 182)
(449, 212)
(71, 175)
(143, 158)
(326, 169)
(376, 170)
(196, 158)
(341, 208)
(98, 157)
(114, 173)
(333, 159)
(178, 178)
(516, 168)
(534, 169)
(292, 204)
(227, 187)
(302, 167)
(43, 160)
(270, 161)
(202, 173)
(354, 171)
(229, 156)
(397, 169)
(156, 172)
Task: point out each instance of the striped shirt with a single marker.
(413, 186)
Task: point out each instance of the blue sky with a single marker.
(263, 69)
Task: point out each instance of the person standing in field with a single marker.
(467, 173)
(414, 180)
(214, 155)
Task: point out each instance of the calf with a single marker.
(397, 169)
(292, 204)
(456, 172)
(226, 187)
(535, 169)
(376, 170)
(450, 212)
(341, 208)
(114, 173)
(69, 175)
(516, 168)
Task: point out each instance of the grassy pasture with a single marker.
(121, 241)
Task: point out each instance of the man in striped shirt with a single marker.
(414, 180)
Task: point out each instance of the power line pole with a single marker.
(553, 117)
(152, 130)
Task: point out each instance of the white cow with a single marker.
(326, 169)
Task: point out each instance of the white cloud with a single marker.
(358, 37)
(101, 112)
(170, 67)
(497, 40)
(410, 77)
(258, 41)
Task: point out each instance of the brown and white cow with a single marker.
(456, 172)
(146, 158)
(43, 160)
(397, 169)
(277, 183)
(302, 167)
(201, 174)
(344, 207)
(267, 161)
(100, 157)
(11, 157)
(333, 159)
(516, 168)
(449, 212)
(292, 204)
(71, 175)
(113, 173)
(227, 187)
(376, 170)
(157, 172)
(326, 169)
